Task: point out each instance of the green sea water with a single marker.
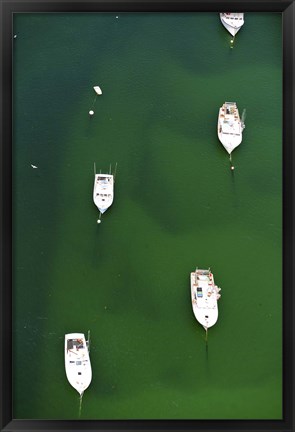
(177, 206)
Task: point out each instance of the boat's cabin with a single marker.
(234, 15)
(104, 179)
(230, 108)
(229, 117)
(238, 16)
(203, 274)
(75, 344)
(103, 187)
(203, 281)
(203, 278)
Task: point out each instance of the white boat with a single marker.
(232, 21)
(77, 361)
(230, 127)
(97, 90)
(204, 294)
(103, 191)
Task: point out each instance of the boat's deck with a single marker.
(205, 297)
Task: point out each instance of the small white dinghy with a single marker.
(229, 126)
(103, 191)
(232, 21)
(204, 294)
(77, 361)
(97, 90)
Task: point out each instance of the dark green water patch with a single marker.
(177, 206)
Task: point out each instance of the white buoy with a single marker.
(98, 221)
(91, 113)
(117, 16)
(15, 36)
(232, 167)
(34, 166)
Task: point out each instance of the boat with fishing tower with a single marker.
(103, 191)
(204, 296)
(230, 126)
(77, 361)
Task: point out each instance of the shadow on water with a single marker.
(233, 183)
(89, 128)
(207, 351)
(91, 114)
(96, 249)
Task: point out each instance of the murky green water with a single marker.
(177, 206)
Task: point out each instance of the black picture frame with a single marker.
(7, 8)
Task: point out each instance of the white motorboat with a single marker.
(77, 361)
(230, 127)
(103, 191)
(97, 90)
(232, 21)
(204, 294)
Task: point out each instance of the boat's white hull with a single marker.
(103, 191)
(77, 362)
(232, 22)
(229, 128)
(204, 296)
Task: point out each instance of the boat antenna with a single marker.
(88, 340)
(244, 114)
(115, 172)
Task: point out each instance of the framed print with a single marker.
(147, 216)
